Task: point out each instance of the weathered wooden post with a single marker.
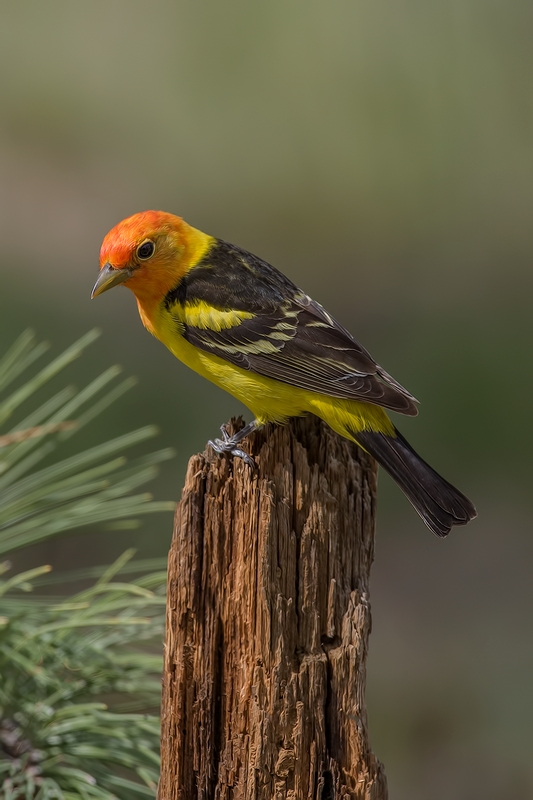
(268, 621)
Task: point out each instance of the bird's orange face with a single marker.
(148, 252)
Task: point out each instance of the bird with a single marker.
(241, 323)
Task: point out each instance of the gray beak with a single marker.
(110, 277)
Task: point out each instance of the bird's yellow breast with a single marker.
(269, 400)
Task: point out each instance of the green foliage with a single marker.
(77, 674)
(87, 488)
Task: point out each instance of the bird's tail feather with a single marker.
(439, 503)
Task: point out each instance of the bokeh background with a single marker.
(381, 154)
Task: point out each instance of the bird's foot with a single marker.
(228, 444)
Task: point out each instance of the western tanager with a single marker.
(240, 323)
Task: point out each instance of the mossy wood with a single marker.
(268, 621)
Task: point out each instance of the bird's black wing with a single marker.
(238, 307)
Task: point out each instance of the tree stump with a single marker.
(268, 620)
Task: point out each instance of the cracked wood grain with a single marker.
(268, 620)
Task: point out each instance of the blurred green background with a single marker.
(381, 154)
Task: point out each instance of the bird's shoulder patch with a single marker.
(204, 316)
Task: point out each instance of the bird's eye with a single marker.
(145, 250)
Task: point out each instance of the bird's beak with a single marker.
(109, 277)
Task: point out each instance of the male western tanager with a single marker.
(240, 323)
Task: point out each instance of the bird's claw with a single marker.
(245, 457)
(227, 446)
(225, 435)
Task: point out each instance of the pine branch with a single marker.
(78, 673)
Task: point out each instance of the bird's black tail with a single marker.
(439, 504)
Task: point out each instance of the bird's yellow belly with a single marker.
(267, 399)
(271, 400)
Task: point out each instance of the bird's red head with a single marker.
(148, 252)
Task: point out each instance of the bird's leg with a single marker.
(228, 444)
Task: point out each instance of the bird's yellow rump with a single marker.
(242, 324)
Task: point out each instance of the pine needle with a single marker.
(78, 675)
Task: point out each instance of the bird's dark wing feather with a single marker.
(285, 335)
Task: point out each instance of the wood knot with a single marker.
(285, 763)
